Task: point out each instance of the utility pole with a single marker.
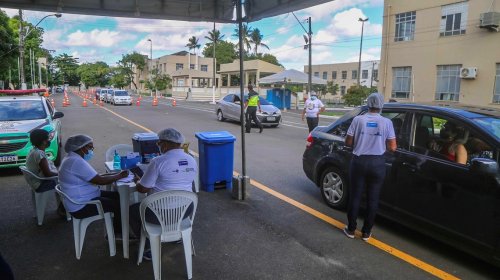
(214, 67)
(151, 67)
(310, 55)
(371, 77)
(361, 48)
(21, 51)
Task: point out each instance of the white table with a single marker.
(124, 191)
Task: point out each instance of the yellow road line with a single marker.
(372, 241)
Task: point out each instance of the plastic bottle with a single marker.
(116, 161)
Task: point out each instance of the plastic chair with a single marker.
(121, 149)
(80, 225)
(170, 208)
(40, 199)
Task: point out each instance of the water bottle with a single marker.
(116, 161)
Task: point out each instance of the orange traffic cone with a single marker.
(155, 102)
(174, 103)
(64, 103)
(95, 101)
(46, 93)
(67, 102)
(138, 103)
(84, 104)
(100, 103)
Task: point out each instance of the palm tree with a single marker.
(214, 35)
(246, 36)
(193, 45)
(256, 40)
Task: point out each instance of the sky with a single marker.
(336, 34)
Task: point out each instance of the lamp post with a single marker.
(22, 37)
(361, 47)
(214, 68)
(150, 65)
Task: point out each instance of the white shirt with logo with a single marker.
(370, 132)
(75, 174)
(174, 170)
(313, 107)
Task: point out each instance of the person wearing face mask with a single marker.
(80, 181)
(312, 108)
(38, 163)
(452, 149)
(173, 170)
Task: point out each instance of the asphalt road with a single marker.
(261, 238)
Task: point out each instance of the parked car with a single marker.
(229, 108)
(59, 89)
(121, 97)
(102, 94)
(109, 95)
(19, 115)
(455, 203)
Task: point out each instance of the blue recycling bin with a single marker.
(216, 150)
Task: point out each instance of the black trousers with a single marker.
(251, 115)
(365, 172)
(110, 203)
(312, 123)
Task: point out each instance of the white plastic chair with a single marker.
(80, 225)
(121, 149)
(169, 208)
(40, 199)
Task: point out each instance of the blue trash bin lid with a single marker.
(145, 136)
(215, 137)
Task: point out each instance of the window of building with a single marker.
(316, 74)
(325, 75)
(191, 66)
(401, 82)
(334, 75)
(179, 66)
(354, 74)
(405, 26)
(375, 75)
(364, 74)
(342, 90)
(454, 19)
(204, 68)
(496, 93)
(448, 82)
(344, 75)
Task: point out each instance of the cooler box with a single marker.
(145, 145)
(216, 150)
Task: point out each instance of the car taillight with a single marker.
(309, 140)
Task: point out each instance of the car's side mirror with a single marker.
(57, 115)
(484, 166)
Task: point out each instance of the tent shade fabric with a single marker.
(221, 11)
(292, 76)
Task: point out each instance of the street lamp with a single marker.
(361, 47)
(21, 43)
(150, 65)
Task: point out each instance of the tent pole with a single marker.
(242, 95)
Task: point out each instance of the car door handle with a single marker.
(410, 166)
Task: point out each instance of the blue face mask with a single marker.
(89, 155)
(313, 97)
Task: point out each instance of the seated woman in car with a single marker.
(450, 147)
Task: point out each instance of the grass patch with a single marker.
(333, 114)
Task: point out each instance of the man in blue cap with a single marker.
(370, 135)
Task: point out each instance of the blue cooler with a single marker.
(216, 149)
(145, 145)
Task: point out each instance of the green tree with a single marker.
(118, 77)
(66, 69)
(94, 74)
(158, 81)
(193, 43)
(8, 48)
(332, 88)
(246, 30)
(214, 36)
(225, 52)
(128, 63)
(256, 40)
(356, 95)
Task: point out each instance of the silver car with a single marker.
(121, 97)
(229, 108)
(109, 95)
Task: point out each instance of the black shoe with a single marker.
(348, 233)
(365, 236)
(260, 129)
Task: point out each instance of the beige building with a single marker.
(441, 50)
(253, 71)
(345, 75)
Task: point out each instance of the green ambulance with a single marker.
(19, 115)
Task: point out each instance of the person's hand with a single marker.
(136, 178)
(302, 118)
(123, 174)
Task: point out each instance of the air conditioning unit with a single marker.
(468, 72)
(490, 20)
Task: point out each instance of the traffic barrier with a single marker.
(174, 103)
(84, 104)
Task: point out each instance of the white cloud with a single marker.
(346, 24)
(325, 10)
(97, 38)
(161, 26)
(170, 42)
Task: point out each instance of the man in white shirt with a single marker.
(312, 108)
(173, 170)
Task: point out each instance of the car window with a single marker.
(441, 138)
(121, 93)
(399, 124)
(20, 110)
(341, 126)
(103, 91)
(51, 110)
(229, 98)
(492, 125)
(478, 148)
(236, 98)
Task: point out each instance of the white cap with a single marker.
(171, 135)
(77, 142)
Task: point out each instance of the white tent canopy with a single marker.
(186, 10)
(292, 76)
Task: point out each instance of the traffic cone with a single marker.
(174, 103)
(100, 103)
(155, 102)
(64, 103)
(46, 93)
(138, 103)
(84, 104)
(95, 101)
(67, 102)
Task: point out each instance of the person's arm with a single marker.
(304, 111)
(149, 178)
(106, 180)
(349, 140)
(44, 166)
(321, 108)
(391, 145)
(461, 154)
(258, 104)
(142, 189)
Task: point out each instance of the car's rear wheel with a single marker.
(334, 188)
(220, 116)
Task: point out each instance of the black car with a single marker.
(457, 203)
